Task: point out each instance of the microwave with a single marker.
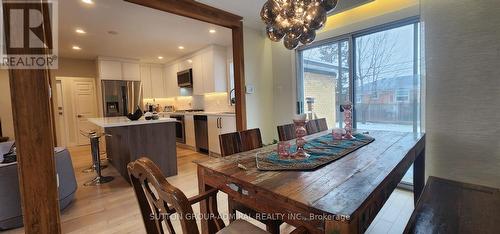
(185, 78)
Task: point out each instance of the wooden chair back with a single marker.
(286, 132)
(312, 127)
(250, 139)
(230, 143)
(159, 199)
(322, 125)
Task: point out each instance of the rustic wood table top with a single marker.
(344, 195)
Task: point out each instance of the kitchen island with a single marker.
(128, 140)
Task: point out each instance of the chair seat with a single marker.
(240, 226)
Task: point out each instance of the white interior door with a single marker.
(84, 107)
(62, 136)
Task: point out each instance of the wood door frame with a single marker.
(212, 15)
(73, 104)
(34, 131)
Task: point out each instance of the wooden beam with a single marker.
(202, 12)
(239, 78)
(33, 120)
(193, 10)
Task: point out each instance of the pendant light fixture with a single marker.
(295, 21)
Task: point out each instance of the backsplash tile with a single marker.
(212, 102)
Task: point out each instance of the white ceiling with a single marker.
(250, 9)
(143, 33)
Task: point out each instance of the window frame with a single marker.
(351, 39)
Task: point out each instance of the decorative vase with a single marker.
(300, 132)
(348, 121)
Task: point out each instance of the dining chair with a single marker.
(312, 127)
(230, 143)
(236, 142)
(250, 139)
(321, 124)
(286, 132)
(159, 200)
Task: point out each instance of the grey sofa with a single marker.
(10, 211)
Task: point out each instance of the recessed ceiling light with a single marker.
(160, 57)
(112, 32)
(212, 31)
(76, 47)
(190, 61)
(88, 1)
(181, 47)
(80, 31)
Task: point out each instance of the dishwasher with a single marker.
(201, 133)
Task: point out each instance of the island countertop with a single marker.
(108, 122)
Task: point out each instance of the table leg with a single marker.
(208, 225)
(418, 176)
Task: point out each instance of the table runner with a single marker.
(323, 150)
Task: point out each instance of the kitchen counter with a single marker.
(109, 122)
(127, 141)
(198, 113)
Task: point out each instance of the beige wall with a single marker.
(67, 68)
(258, 72)
(462, 43)
(5, 105)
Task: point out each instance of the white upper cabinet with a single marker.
(157, 85)
(110, 70)
(145, 73)
(214, 70)
(118, 69)
(198, 75)
(170, 81)
(131, 71)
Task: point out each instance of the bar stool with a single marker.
(91, 167)
(96, 161)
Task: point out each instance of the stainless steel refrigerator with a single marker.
(121, 97)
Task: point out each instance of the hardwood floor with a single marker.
(112, 207)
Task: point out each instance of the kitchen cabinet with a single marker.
(214, 69)
(189, 130)
(118, 69)
(219, 125)
(145, 73)
(185, 64)
(157, 86)
(110, 70)
(131, 71)
(170, 81)
(198, 75)
(152, 77)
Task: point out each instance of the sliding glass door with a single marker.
(377, 70)
(324, 80)
(386, 78)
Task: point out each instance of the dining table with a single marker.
(343, 196)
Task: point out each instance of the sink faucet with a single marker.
(232, 99)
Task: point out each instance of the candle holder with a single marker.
(348, 121)
(300, 132)
(284, 149)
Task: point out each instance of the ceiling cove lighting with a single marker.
(80, 31)
(88, 1)
(212, 31)
(295, 21)
(181, 47)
